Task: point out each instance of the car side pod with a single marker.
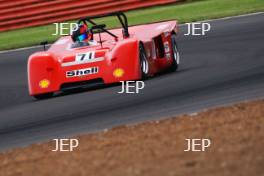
(41, 69)
(124, 62)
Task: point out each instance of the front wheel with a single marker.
(175, 54)
(43, 96)
(144, 65)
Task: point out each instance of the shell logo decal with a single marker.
(118, 73)
(44, 83)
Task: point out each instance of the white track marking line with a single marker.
(21, 49)
(227, 18)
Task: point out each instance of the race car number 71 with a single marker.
(85, 56)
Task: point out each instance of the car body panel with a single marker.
(61, 64)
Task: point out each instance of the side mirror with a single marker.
(44, 43)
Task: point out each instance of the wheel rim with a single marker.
(144, 63)
(176, 53)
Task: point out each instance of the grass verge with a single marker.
(186, 12)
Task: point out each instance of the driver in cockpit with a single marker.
(82, 36)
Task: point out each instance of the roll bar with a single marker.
(120, 15)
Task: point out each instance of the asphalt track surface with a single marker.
(223, 67)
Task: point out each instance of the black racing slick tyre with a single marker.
(175, 55)
(43, 96)
(144, 64)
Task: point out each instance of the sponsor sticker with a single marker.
(119, 72)
(44, 83)
(82, 72)
(83, 58)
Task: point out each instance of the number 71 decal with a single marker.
(83, 58)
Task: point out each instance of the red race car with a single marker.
(93, 54)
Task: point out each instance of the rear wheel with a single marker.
(43, 96)
(175, 55)
(144, 65)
